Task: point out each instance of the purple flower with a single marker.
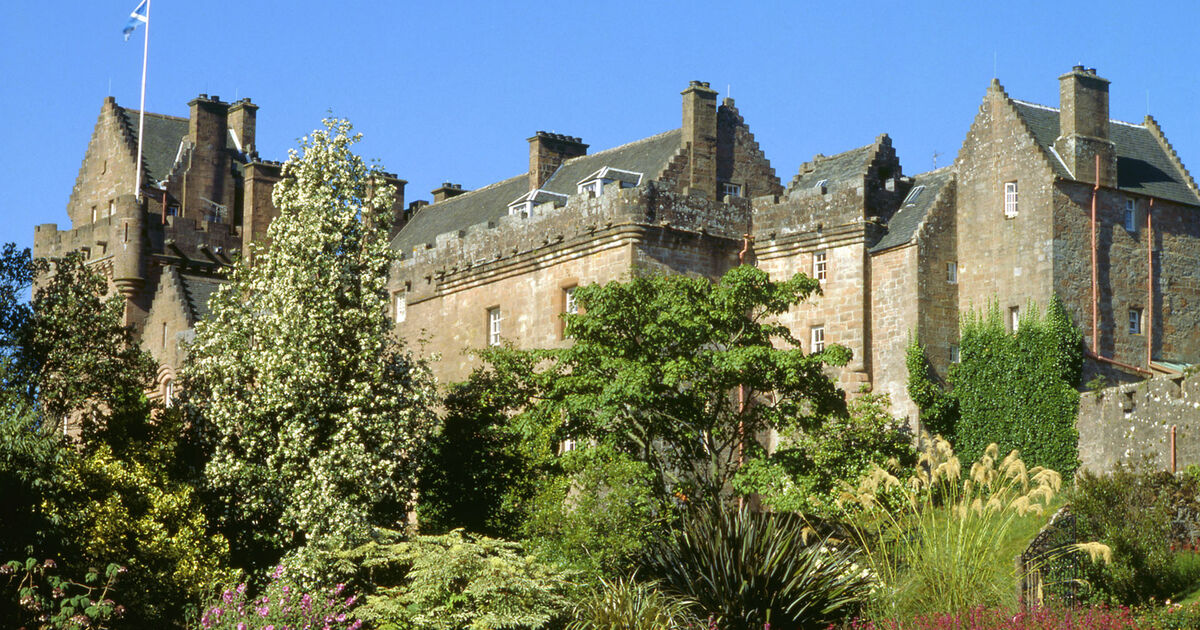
(241, 588)
(350, 600)
(356, 625)
(306, 602)
(241, 626)
(227, 596)
(263, 611)
(337, 590)
(278, 572)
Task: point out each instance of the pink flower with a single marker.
(278, 572)
(337, 590)
(241, 588)
(263, 611)
(350, 600)
(227, 596)
(306, 602)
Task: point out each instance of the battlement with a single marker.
(583, 215)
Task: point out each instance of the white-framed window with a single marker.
(566, 446)
(1135, 321)
(164, 335)
(570, 305)
(731, 190)
(494, 318)
(818, 338)
(952, 272)
(112, 207)
(594, 187)
(524, 208)
(1130, 216)
(168, 392)
(820, 265)
(400, 306)
(1010, 199)
(955, 354)
(1014, 318)
(93, 214)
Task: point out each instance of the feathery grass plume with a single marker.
(939, 550)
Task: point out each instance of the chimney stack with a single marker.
(242, 118)
(209, 179)
(447, 191)
(700, 138)
(1083, 126)
(547, 151)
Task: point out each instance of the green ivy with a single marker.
(1017, 390)
(939, 410)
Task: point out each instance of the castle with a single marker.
(1040, 201)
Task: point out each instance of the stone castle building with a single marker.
(1040, 201)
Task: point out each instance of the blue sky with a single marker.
(449, 91)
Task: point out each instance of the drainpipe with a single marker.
(1172, 449)
(1150, 289)
(1095, 272)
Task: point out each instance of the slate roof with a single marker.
(1143, 166)
(648, 156)
(163, 135)
(841, 169)
(908, 218)
(198, 289)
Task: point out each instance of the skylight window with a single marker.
(913, 195)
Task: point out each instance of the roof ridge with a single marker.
(1056, 109)
(157, 115)
(476, 190)
(621, 146)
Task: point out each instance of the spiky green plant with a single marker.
(628, 604)
(749, 568)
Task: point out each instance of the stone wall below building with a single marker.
(1132, 423)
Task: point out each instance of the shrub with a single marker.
(749, 568)
(1131, 511)
(48, 600)
(1096, 618)
(456, 581)
(282, 605)
(939, 549)
(627, 604)
(599, 515)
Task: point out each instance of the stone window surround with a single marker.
(952, 272)
(817, 335)
(1014, 318)
(820, 265)
(1131, 216)
(400, 306)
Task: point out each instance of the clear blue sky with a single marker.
(451, 90)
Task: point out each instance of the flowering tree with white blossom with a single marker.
(313, 412)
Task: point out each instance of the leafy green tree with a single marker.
(315, 415)
(121, 494)
(807, 472)
(648, 395)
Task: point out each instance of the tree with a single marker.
(654, 370)
(314, 414)
(121, 493)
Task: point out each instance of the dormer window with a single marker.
(731, 190)
(523, 205)
(594, 184)
(913, 195)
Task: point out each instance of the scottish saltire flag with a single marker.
(137, 17)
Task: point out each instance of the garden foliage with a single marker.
(46, 599)
(1015, 390)
(455, 581)
(1132, 510)
(314, 415)
(938, 549)
(806, 471)
(629, 604)
(282, 605)
(748, 568)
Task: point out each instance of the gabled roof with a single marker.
(1143, 166)
(907, 219)
(198, 289)
(836, 170)
(649, 156)
(161, 145)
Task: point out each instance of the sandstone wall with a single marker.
(1132, 423)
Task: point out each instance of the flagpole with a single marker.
(137, 187)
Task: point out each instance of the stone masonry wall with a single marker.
(107, 169)
(1132, 423)
(1002, 259)
(894, 319)
(936, 293)
(1123, 275)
